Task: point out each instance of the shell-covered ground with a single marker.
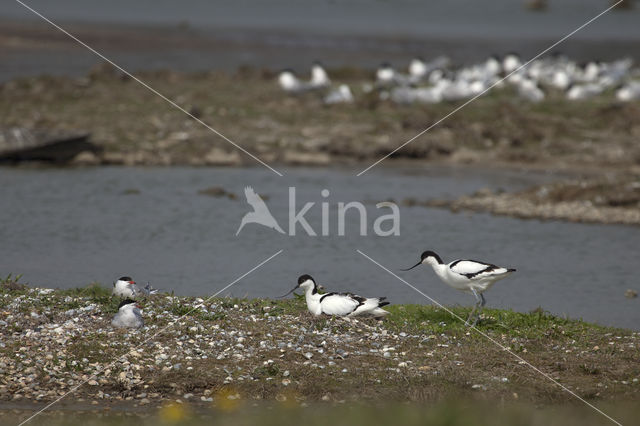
(193, 350)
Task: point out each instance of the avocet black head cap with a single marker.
(429, 253)
(301, 279)
(424, 256)
(304, 278)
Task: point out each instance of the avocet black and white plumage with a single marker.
(129, 315)
(339, 304)
(470, 276)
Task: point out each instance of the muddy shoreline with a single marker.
(591, 140)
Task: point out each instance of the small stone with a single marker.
(631, 294)
(92, 383)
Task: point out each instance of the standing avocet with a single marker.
(340, 304)
(470, 276)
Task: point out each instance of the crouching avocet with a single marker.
(341, 304)
(470, 276)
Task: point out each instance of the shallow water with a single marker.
(454, 18)
(68, 227)
(288, 33)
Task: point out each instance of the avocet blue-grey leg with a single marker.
(479, 304)
(466, 275)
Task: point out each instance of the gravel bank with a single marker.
(610, 201)
(226, 349)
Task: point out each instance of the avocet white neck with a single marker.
(436, 263)
(312, 296)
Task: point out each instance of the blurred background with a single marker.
(203, 35)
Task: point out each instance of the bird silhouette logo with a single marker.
(260, 214)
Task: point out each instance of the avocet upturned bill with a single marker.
(340, 304)
(129, 315)
(470, 276)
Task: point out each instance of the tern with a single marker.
(511, 62)
(629, 92)
(386, 75)
(127, 287)
(469, 276)
(129, 315)
(339, 304)
(289, 82)
(319, 77)
(418, 70)
(340, 95)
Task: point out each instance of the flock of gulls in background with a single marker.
(435, 81)
(470, 276)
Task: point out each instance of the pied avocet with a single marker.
(470, 276)
(340, 304)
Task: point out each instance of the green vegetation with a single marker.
(535, 324)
